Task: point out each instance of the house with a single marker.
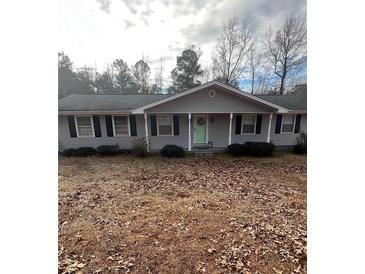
(213, 115)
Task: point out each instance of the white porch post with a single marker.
(189, 147)
(269, 130)
(146, 130)
(230, 129)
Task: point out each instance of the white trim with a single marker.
(269, 129)
(282, 123)
(77, 127)
(172, 125)
(230, 129)
(129, 126)
(80, 112)
(189, 144)
(254, 129)
(237, 91)
(206, 127)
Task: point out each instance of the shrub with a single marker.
(301, 146)
(68, 152)
(172, 151)
(81, 151)
(259, 149)
(139, 148)
(235, 150)
(108, 150)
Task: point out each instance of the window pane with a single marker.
(85, 131)
(248, 128)
(288, 119)
(120, 120)
(83, 121)
(288, 128)
(164, 120)
(165, 130)
(248, 119)
(121, 130)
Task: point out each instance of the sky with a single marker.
(95, 32)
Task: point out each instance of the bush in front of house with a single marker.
(301, 146)
(235, 150)
(106, 150)
(172, 151)
(139, 147)
(259, 149)
(80, 152)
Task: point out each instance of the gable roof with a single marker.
(296, 101)
(212, 83)
(138, 103)
(120, 103)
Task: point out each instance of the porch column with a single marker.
(146, 130)
(189, 147)
(230, 129)
(269, 130)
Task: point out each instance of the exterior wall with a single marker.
(65, 141)
(200, 102)
(287, 139)
(218, 132)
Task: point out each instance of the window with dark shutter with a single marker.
(297, 123)
(238, 124)
(97, 129)
(279, 119)
(71, 126)
(153, 125)
(176, 125)
(133, 125)
(109, 126)
(258, 123)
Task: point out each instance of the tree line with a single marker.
(271, 63)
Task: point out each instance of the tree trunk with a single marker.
(253, 81)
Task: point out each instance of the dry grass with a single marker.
(192, 215)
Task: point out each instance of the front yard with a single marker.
(193, 215)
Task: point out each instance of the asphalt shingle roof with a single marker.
(106, 102)
(297, 101)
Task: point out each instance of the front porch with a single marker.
(206, 132)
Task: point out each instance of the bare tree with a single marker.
(254, 61)
(287, 50)
(231, 51)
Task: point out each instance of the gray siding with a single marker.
(287, 139)
(200, 102)
(65, 141)
(218, 133)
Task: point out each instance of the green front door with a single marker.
(200, 129)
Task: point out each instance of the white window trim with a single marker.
(282, 123)
(129, 126)
(77, 126)
(254, 130)
(172, 125)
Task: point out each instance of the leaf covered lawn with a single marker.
(193, 215)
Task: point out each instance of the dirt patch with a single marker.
(192, 215)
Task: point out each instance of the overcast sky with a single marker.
(96, 32)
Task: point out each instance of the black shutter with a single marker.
(109, 126)
(133, 125)
(297, 123)
(238, 123)
(97, 129)
(176, 125)
(258, 123)
(279, 119)
(71, 126)
(153, 125)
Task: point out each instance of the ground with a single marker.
(210, 214)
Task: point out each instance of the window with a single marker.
(84, 126)
(287, 125)
(121, 125)
(248, 123)
(164, 125)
